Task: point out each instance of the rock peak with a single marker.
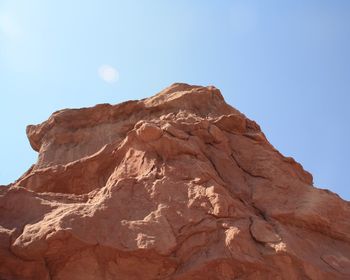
(178, 186)
(66, 126)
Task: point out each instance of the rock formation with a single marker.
(176, 186)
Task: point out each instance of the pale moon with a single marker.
(108, 73)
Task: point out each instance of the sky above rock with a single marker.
(284, 64)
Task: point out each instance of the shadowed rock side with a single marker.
(176, 186)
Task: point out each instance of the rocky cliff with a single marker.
(176, 186)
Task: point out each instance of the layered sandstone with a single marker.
(176, 186)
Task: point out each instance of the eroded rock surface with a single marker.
(176, 186)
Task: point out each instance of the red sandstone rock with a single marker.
(176, 186)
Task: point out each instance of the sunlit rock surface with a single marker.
(176, 186)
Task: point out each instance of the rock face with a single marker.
(176, 186)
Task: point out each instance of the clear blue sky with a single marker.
(285, 64)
